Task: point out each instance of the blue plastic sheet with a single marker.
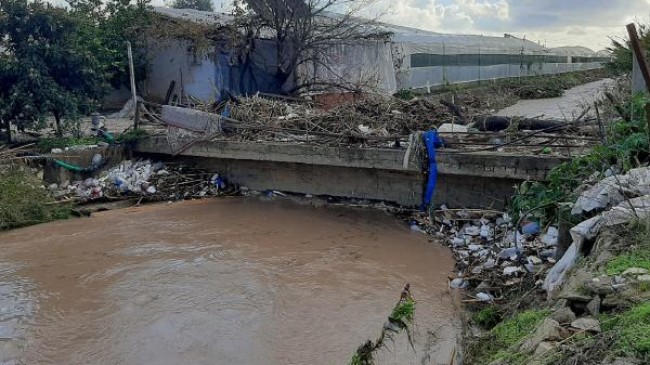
(431, 141)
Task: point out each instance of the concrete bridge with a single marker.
(465, 179)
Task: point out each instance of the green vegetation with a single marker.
(405, 94)
(46, 145)
(61, 61)
(552, 199)
(400, 319)
(488, 317)
(403, 313)
(23, 201)
(637, 253)
(622, 52)
(532, 87)
(502, 342)
(131, 136)
(203, 5)
(632, 329)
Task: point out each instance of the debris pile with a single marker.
(388, 122)
(153, 181)
(388, 115)
(491, 254)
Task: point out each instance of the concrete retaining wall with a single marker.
(476, 180)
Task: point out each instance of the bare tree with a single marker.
(309, 37)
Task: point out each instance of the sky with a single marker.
(555, 23)
(587, 23)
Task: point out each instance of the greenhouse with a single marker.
(407, 59)
(429, 59)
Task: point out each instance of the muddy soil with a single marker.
(230, 281)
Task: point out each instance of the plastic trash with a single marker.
(452, 128)
(530, 228)
(484, 297)
(489, 264)
(458, 283)
(472, 231)
(416, 228)
(551, 237)
(486, 231)
(457, 242)
(508, 253)
(511, 270)
(474, 248)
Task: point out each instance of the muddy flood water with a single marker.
(229, 281)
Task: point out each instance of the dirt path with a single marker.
(236, 281)
(568, 106)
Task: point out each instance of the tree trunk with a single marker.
(57, 120)
(7, 127)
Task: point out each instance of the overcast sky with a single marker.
(557, 22)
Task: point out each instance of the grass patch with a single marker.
(502, 341)
(488, 317)
(403, 312)
(514, 330)
(637, 254)
(633, 331)
(23, 201)
(47, 144)
(132, 135)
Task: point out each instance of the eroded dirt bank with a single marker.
(231, 281)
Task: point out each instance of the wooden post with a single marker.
(643, 65)
(601, 127)
(638, 52)
(647, 117)
(133, 90)
(136, 115)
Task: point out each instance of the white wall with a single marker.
(175, 60)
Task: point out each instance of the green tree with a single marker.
(48, 67)
(203, 5)
(61, 62)
(621, 51)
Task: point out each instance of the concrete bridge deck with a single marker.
(472, 180)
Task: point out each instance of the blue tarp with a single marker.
(431, 141)
(246, 79)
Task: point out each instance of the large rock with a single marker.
(603, 258)
(586, 324)
(545, 347)
(601, 286)
(564, 315)
(634, 271)
(574, 288)
(593, 307)
(615, 302)
(643, 278)
(549, 330)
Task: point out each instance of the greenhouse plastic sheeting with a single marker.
(367, 66)
(629, 210)
(613, 190)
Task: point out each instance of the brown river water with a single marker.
(229, 281)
